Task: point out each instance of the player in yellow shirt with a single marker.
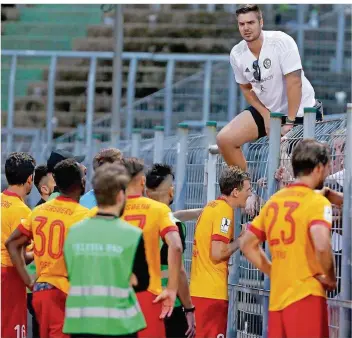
(48, 225)
(156, 221)
(296, 222)
(19, 168)
(212, 247)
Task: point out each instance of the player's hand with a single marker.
(167, 299)
(326, 282)
(30, 284)
(191, 321)
(133, 280)
(286, 128)
(279, 174)
(251, 205)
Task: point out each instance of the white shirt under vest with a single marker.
(279, 56)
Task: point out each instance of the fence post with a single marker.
(209, 140)
(168, 101)
(232, 98)
(51, 102)
(273, 164)
(207, 91)
(130, 97)
(158, 144)
(79, 140)
(181, 165)
(11, 105)
(310, 116)
(346, 277)
(90, 114)
(211, 172)
(300, 28)
(136, 142)
(340, 41)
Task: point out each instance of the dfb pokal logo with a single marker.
(267, 63)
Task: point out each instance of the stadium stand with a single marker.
(172, 29)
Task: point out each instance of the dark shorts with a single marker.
(176, 326)
(259, 121)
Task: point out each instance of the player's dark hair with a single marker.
(109, 179)
(249, 8)
(230, 178)
(158, 174)
(108, 155)
(307, 155)
(40, 172)
(68, 175)
(18, 167)
(133, 165)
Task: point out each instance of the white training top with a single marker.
(279, 56)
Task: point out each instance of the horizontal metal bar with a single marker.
(213, 149)
(20, 131)
(200, 124)
(125, 55)
(260, 292)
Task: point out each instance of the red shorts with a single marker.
(13, 304)
(211, 317)
(49, 307)
(307, 317)
(155, 326)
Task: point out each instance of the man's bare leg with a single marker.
(234, 135)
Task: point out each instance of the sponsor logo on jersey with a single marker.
(225, 225)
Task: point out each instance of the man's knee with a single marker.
(224, 141)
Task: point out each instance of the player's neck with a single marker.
(19, 190)
(134, 191)
(256, 45)
(108, 210)
(305, 180)
(74, 196)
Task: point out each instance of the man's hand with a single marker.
(251, 205)
(191, 321)
(327, 284)
(167, 299)
(133, 280)
(286, 128)
(279, 174)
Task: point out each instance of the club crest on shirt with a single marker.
(225, 225)
(267, 63)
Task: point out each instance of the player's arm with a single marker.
(140, 268)
(221, 251)
(251, 247)
(251, 244)
(319, 225)
(333, 196)
(294, 92)
(15, 245)
(174, 259)
(187, 215)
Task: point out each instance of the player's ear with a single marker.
(235, 192)
(172, 192)
(120, 197)
(143, 180)
(30, 179)
(44, 189)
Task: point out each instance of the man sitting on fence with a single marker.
(212, 247)
(297, 223)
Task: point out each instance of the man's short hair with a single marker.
(108, 155)
(68, 175)
(249, 8)
(39, 173)
(307, 155)
(18, 167)
(109, 179)
(133, 165)
(157, 175)
(232, 177)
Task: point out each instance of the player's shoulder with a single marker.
(319, 199)
(156, 204)
(128, 228)
(218, 206)
(279, 40)
(239, 49)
